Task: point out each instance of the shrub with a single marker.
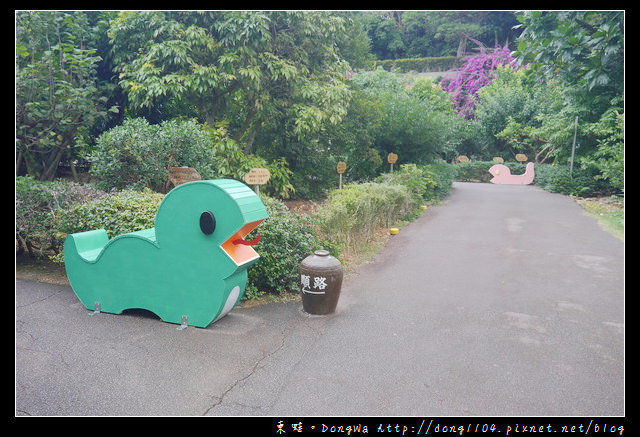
(137, 154)
(117, 213)
(426, 182)
(286, 240)
(352, 214)
(444, 175)
(474, 171)
(441, 63)
(581, 182)
(37, 203)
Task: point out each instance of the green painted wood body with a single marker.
(174, 269)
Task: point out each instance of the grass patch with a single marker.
(608, 211)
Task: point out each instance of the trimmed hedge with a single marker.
(117, 213)
(428, 64)
(351, 215)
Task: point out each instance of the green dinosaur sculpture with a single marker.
(191, 268)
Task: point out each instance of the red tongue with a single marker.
(248, 243)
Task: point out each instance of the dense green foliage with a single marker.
(286, 240)
(136, 154)
(125, 95)
(414, 34)
(37, 204)
(351, 215)
(117, 213)
(57, 98)
(278, 89)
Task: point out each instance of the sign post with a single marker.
(340, 168)
(392, 158)
(256, 177)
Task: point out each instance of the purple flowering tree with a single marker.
(478, 71)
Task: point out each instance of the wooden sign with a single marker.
(257, 176)
(181, 175)
(392, 158)
(520, 157)
(340, 168)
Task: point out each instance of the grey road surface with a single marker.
(502, 301)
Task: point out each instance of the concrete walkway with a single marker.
(503, 301)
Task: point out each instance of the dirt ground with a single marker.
(605, 203)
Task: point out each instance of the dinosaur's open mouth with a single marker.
(240, 250)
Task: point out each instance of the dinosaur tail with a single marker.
(87, 245)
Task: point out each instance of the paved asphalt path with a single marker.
(502, 301)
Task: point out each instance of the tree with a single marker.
(57, 99)
(584, 48)
(584, 52)
(417, 122)
(242, 68)
(609, 157)
(397, 34)
(514, 116)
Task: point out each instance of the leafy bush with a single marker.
(117, 213)
(286, 240)
(426, 182)
(473, 171)
(582, 182)
(441, 63)
(608, 159)
(37, 203)
(137, 154)
(352, 214)
(444, 175)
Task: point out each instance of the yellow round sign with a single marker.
(341, 167)
(392, 158)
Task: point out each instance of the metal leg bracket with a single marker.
(96, 309)
(183, 325)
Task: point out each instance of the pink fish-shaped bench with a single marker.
(502, 175)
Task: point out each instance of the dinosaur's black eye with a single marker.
(207, 222)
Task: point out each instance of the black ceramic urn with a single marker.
(320, 282)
